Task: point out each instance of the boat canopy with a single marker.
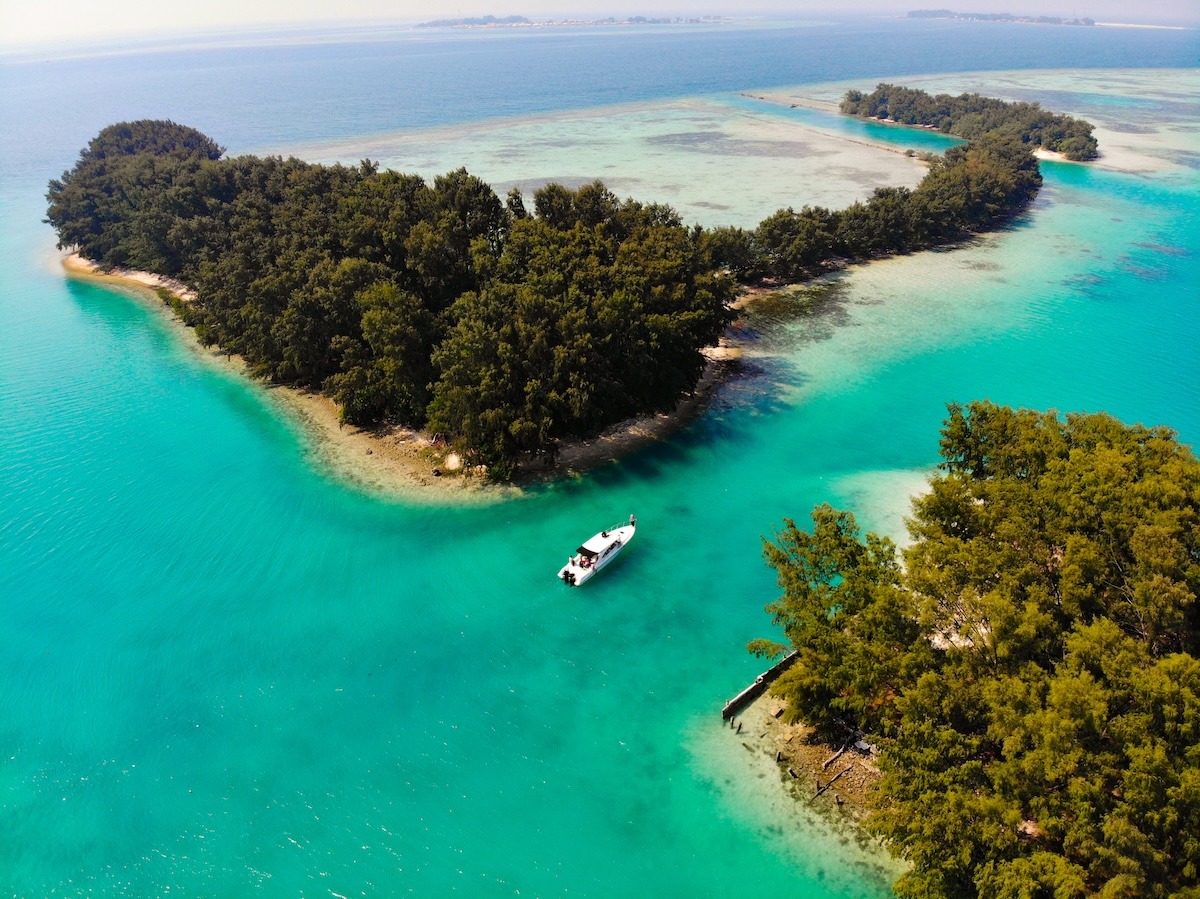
(587, 553)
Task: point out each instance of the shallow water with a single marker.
(717, 160)
(227, 672)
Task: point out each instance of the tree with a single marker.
(856, 632)
(95, 205)
(1031, 671)
(412, 301)
(971, 116)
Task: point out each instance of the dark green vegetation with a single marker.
(970, 116)
(442, 307)
(1031, 671)
(972, 188)
(437, 305)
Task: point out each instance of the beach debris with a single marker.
(833, 758)
(845, 770)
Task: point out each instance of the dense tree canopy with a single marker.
(440, 305)
(430, 304)
(118, 179)
(971, 116)
(1032, 670)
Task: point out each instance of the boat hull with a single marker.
(607, 545)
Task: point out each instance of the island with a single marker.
(971, 115)
(997, 17)
(524, 22)
(1025, 676)
(475, 22)
(500, 332)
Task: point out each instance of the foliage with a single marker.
(109, 205)
(972, 188)
(441, 305)
(1031, 670)
(971, 116)
(409, 301)
(578, 327)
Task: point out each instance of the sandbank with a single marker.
(1140, 25)
(392, 460)
(1052, 156)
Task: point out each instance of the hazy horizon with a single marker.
(73, 21)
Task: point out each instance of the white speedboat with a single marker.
(596, 553)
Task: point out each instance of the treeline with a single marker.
(1031, 670)
(974, 187)
(970, 116)
(440, 306)
(437, 305)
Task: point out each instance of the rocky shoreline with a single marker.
(837, 779)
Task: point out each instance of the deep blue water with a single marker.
(225, 672)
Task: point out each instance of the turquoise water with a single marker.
(225, 672)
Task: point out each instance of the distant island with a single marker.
(476, 22)
(970, 116)
(502, 329)
(996, 17)
(524, 22)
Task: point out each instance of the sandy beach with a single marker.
(392, 460)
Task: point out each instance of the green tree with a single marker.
(99, 206)
(1031, 670)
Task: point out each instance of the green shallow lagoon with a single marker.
(226, 672)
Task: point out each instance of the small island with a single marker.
(971, 116)
(476, 22)
(997, 17)
(503, 333)
(524, 22)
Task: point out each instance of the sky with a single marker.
(29, 22)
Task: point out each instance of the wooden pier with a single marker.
(758, 688)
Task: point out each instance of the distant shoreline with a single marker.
(392, 460)
(1136, 25)
(945, 15)
(491, 22)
